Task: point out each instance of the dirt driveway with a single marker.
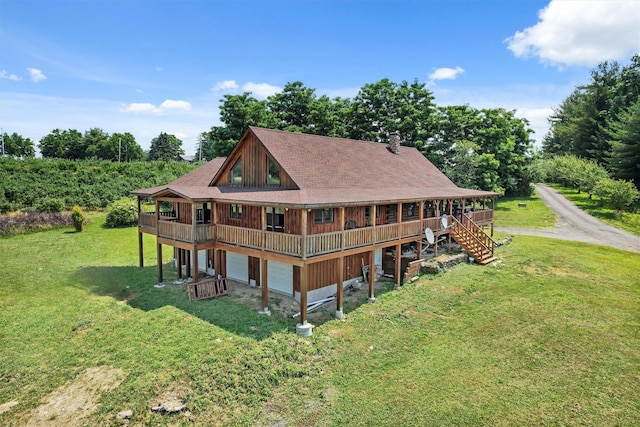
(575, 224)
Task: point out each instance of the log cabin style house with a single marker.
(298, 214)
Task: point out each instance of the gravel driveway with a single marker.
(575, 224)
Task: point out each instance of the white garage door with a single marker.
(238, 267)
(280, 277)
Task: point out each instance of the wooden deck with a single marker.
(292, 244)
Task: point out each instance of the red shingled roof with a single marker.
(328, 171)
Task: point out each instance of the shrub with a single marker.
(49, 204)
(122, 213)
(79, 218)
(616, 194)
(29, 222)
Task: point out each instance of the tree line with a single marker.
(600, 121)
(94, 143)
(489, 149)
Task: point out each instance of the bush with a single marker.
(616, 194)
(29, 222)
(49, 204)
(122, 213)
(79, 218)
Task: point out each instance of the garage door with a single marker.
(280, 277)
(238, 267)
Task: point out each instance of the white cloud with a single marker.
(5, 75)
(229, 85)
(261, 90)
(36, 75)
(170, 104)
(582, 33)
(148, 108)
(445, 73)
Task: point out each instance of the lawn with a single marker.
(549, 334)
(523, 212)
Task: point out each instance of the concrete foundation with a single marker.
(304, 329)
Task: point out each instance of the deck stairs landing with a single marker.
(473, 239)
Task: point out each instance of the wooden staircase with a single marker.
(473, 239)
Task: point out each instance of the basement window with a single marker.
(236, 172)
(323, 216)
(235, 211)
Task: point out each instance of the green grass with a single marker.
(627, 221)
(548, 335)
(534, 215)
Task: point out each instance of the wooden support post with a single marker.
(398, 265)
(419, 242)
(304, 277)
(264, 283)
(179, 262)
(159, 252)
(304, 214)
(195, 265)
(340, 290)
(372, 276)
(140, 248)
(188, 262)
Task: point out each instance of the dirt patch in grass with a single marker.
(73, 402)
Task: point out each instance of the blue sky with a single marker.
(147, 67)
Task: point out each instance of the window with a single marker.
(275, 219)
(411, 209)
(235, 211)
(323, 216)
(273, 173)
(236, 172)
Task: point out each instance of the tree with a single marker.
(165, 147)
(117, 147)
(625, 142)
(616, 194)
(59, 144)
(94, 144)
(292, 107)
(17, 146)
(384, 107)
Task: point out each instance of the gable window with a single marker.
(235, 211)
(236, 172)
(323, 216)
(273, 173)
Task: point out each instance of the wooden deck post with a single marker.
(372, 276)
(419, 242)
(159, 251)
(340, 290)
(195, 265)
(187, 262)
(304, 214)
(264, 284)
(140, 248)
(398, 265)
(179, 262)
(304, 277)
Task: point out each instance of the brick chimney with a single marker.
(394, 143)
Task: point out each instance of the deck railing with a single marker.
(207, 289)
(483, 216)
(147, 219)
(292, 244)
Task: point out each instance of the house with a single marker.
(298, 214)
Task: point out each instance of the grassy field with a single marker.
(547, 335)
(627, 221)
(535, 214)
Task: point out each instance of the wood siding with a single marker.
(251, 216)
(325, 273)
(254, 167)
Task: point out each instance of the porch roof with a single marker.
(315, 197)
